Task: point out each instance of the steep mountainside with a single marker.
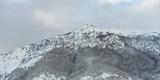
(87, 53)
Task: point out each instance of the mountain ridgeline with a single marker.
(87, 53)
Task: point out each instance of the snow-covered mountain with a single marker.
(87, 53)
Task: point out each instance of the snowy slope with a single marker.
(86, 36)
(83, 37)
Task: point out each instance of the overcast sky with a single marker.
(26, 21)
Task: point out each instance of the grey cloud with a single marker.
(18, 23)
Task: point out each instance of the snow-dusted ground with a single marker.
(104, 76)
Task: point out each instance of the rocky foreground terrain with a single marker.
(87, 53)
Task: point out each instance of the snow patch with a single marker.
(48, 76)
(106, 76)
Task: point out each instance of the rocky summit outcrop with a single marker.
(87, 53)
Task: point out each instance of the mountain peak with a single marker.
(86, 36)
(86, 28)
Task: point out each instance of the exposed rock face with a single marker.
(85, 54)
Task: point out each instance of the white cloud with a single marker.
(133, 4)
(150, 4)
(44, 17)
(9, 2)
(114, 1)
(146, 4)
(56, 21)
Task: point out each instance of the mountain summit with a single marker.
(87, 53)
